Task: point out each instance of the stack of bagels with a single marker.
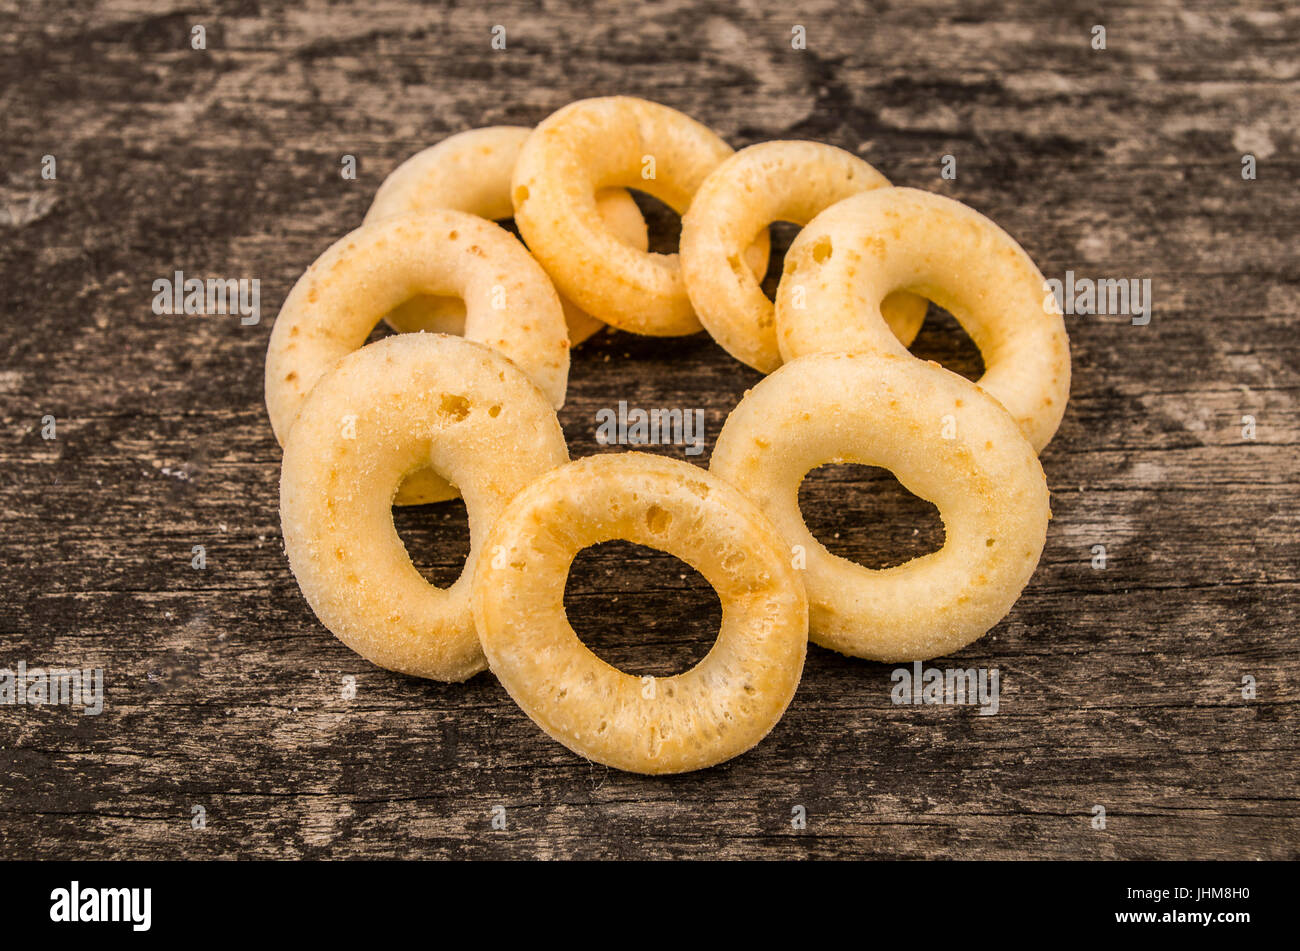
(463, 400)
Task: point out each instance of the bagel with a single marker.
(854, 253)
(510, 305)
(716, 710)
(947, 442)
(617, 141)
(397, 406)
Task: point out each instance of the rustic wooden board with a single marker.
(1121, 687)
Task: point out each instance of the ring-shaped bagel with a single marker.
(772, 181)
(397, 406)
(896, 412)
(615, 142)
(848, 258)
(712, 712)
(470, 172)
(510, 306)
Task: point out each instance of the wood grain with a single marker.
(1121, 687)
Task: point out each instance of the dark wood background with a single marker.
(1121, 687)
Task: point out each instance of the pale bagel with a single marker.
(392, 408)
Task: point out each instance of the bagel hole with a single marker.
(378, 332)
(663, 225)
(947, 343)
(641, 610)
(782, 235)
(432, 312)
(436, 538)
(864, 514)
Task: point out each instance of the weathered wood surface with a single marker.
(1121, 687)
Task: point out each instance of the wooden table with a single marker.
(225, 729)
